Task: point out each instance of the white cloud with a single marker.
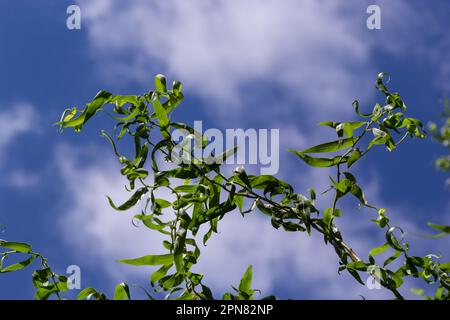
(220, 50)
(99, 235)
(15, 120)
(89, 224)
(318, 55)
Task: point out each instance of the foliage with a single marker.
(204, 195)
(44, 280)
(442, 135)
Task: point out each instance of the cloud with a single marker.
(314, 52)
(15, 120)
(99, 235)
(89, 224)
(317, 56)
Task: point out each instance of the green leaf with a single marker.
(179, 246)
(212, 213)
(207, 236)
(173, 281)
(40, 277)
(228, 296)
(349, 127)
(320, 162)
(356, 275)
(130, 202)
(16, 246)
(398, 279)
(380, 83)
(147, 220)
(241, 177)
(131, 116)
(445, 230)
(160, 273)
(264, 182)
(101, 98)
(379, 249)
(355, 156)
(346, 128)
(327, 216)
(344, 185)
(392, 240)
(190, 188)
(207, 292)
(357, 192)
(90, 292)
(356, 106)
(149, 260)
(392, 258)
(162, 203)
(240, 202)
(18, 266)
(177, 87)
(330, 124)
(112, 143)
(163, 120)
(246, 281)
(330, 146)
(382, 219)
(120, 100)
(376, 113)
(122, 292)
(160, 83)
(263, 208)
(312, 194)
(45, 293)
(215, 188)
(358, 265)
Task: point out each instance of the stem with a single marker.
(402, 139)
(335, 238)
(44, 263)
(336, 195)
(340, 246)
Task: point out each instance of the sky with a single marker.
(269, 64)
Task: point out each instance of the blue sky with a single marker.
(250, 64)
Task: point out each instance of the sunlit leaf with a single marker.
(122, 292)
(149, 260)
(355, 156)
(16, 246)
(379, 249)
(18, 266)
(246, 282)
(320, 162)
(130, 202)
(160, 83)
(330, 146)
